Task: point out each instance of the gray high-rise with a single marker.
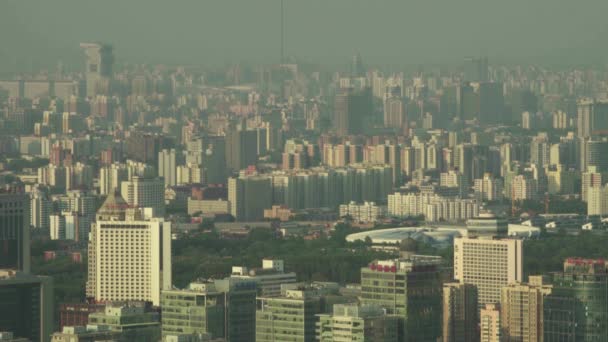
(15, 231)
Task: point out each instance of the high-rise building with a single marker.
(111, 176)
(249, 196)
(394, 112)
(15, 231)
(78, 208)
(489, 323)
(26, 305)
(476, 69)
(129, 254)
(167, 167)
(577, 309)
(40, 209)
(491, 103)
(241, 148)
(592, 116)
(352, 107)
(351, 322)
(410, 289)
(523, 187)
(488, 264)
(99, 60)
(521, 310)
(459, 312)
(145, 193)
(597, 200)
(488, 188)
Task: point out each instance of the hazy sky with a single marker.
(396, 32)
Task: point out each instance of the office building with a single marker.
(591, 178)
(15, 231)
(577, 309)
(132, 321)
(249, 196)
(199, 309)
(167, 167)
(145, 193)
(352, 108)
(521, 310)
(290, 317)
(410, 289)
(592, 116)
(241, 148)
(352, 322)
(488, 264)
(460, 312)
(268, 279)
(476, 69)
(26, 305)
(99, 61)
(129, 254)
(489, 323)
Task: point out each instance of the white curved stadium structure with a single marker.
(436, 234)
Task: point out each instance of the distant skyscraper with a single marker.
(352, 108)
(249, 196)
(491, 103)
(592, 115)
(167, 167)
(129, 254)
(15, 232)
(99, 61)
(394, 112)
(241, 147)
(488, 264)
(476, 69)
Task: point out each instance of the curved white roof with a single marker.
(436, 234)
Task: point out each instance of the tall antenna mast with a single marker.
(282, 33)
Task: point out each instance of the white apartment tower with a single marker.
(489, 264)
(166, 166)
(129, 254)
